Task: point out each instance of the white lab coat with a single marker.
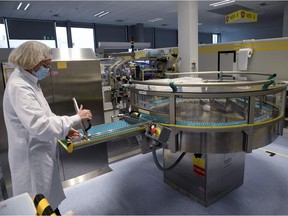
(33, 131)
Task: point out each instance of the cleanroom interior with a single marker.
(212, 140)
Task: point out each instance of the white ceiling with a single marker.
(133, 12)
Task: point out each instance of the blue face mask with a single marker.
(41, 73)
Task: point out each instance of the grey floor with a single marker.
(136, 187)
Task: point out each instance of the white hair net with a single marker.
(29, 54)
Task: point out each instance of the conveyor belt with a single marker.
(264, 116)
(105, 132)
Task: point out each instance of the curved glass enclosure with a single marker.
(214, 116)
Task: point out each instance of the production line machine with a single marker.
(120, 68)
(205, 127)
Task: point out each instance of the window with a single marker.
(16, 43)
(215, 38)
(3, 37)
(82, 37)
(21, 31)
(61, 37)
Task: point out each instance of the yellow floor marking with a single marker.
(276, 153)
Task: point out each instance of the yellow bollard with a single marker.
(42, 205)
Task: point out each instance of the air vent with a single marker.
(229, 9)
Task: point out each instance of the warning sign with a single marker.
(241, 16)
(198, 166)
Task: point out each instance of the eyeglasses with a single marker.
(46, 63)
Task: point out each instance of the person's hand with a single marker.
(73, 134)
(84, 114)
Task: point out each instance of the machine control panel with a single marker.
(158, 132)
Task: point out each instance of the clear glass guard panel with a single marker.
(268, 107)
(211, 111)
(156, 104)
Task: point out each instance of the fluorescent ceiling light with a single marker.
(155, 20)
(27, 6)
(103, 14)
(99, 13)
(222, 3)
(19, 5)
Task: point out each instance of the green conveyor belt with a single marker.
(120, 126)
(261, 117)
(104, 132)
(162, 102)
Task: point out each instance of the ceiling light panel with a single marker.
(222, 3)
(27, 6)
(19, 5)
(24, 7)
(102, 13)
(99, 13)
(155, 20)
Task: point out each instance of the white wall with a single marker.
(269, 56)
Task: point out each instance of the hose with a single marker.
(159, 165)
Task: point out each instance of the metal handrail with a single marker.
(204, 84)
(218, 72)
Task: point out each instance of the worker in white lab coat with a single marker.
(32, 128)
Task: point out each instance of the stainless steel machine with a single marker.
(75, 73)
(213, 124)
(120, 68)
(205, 127)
